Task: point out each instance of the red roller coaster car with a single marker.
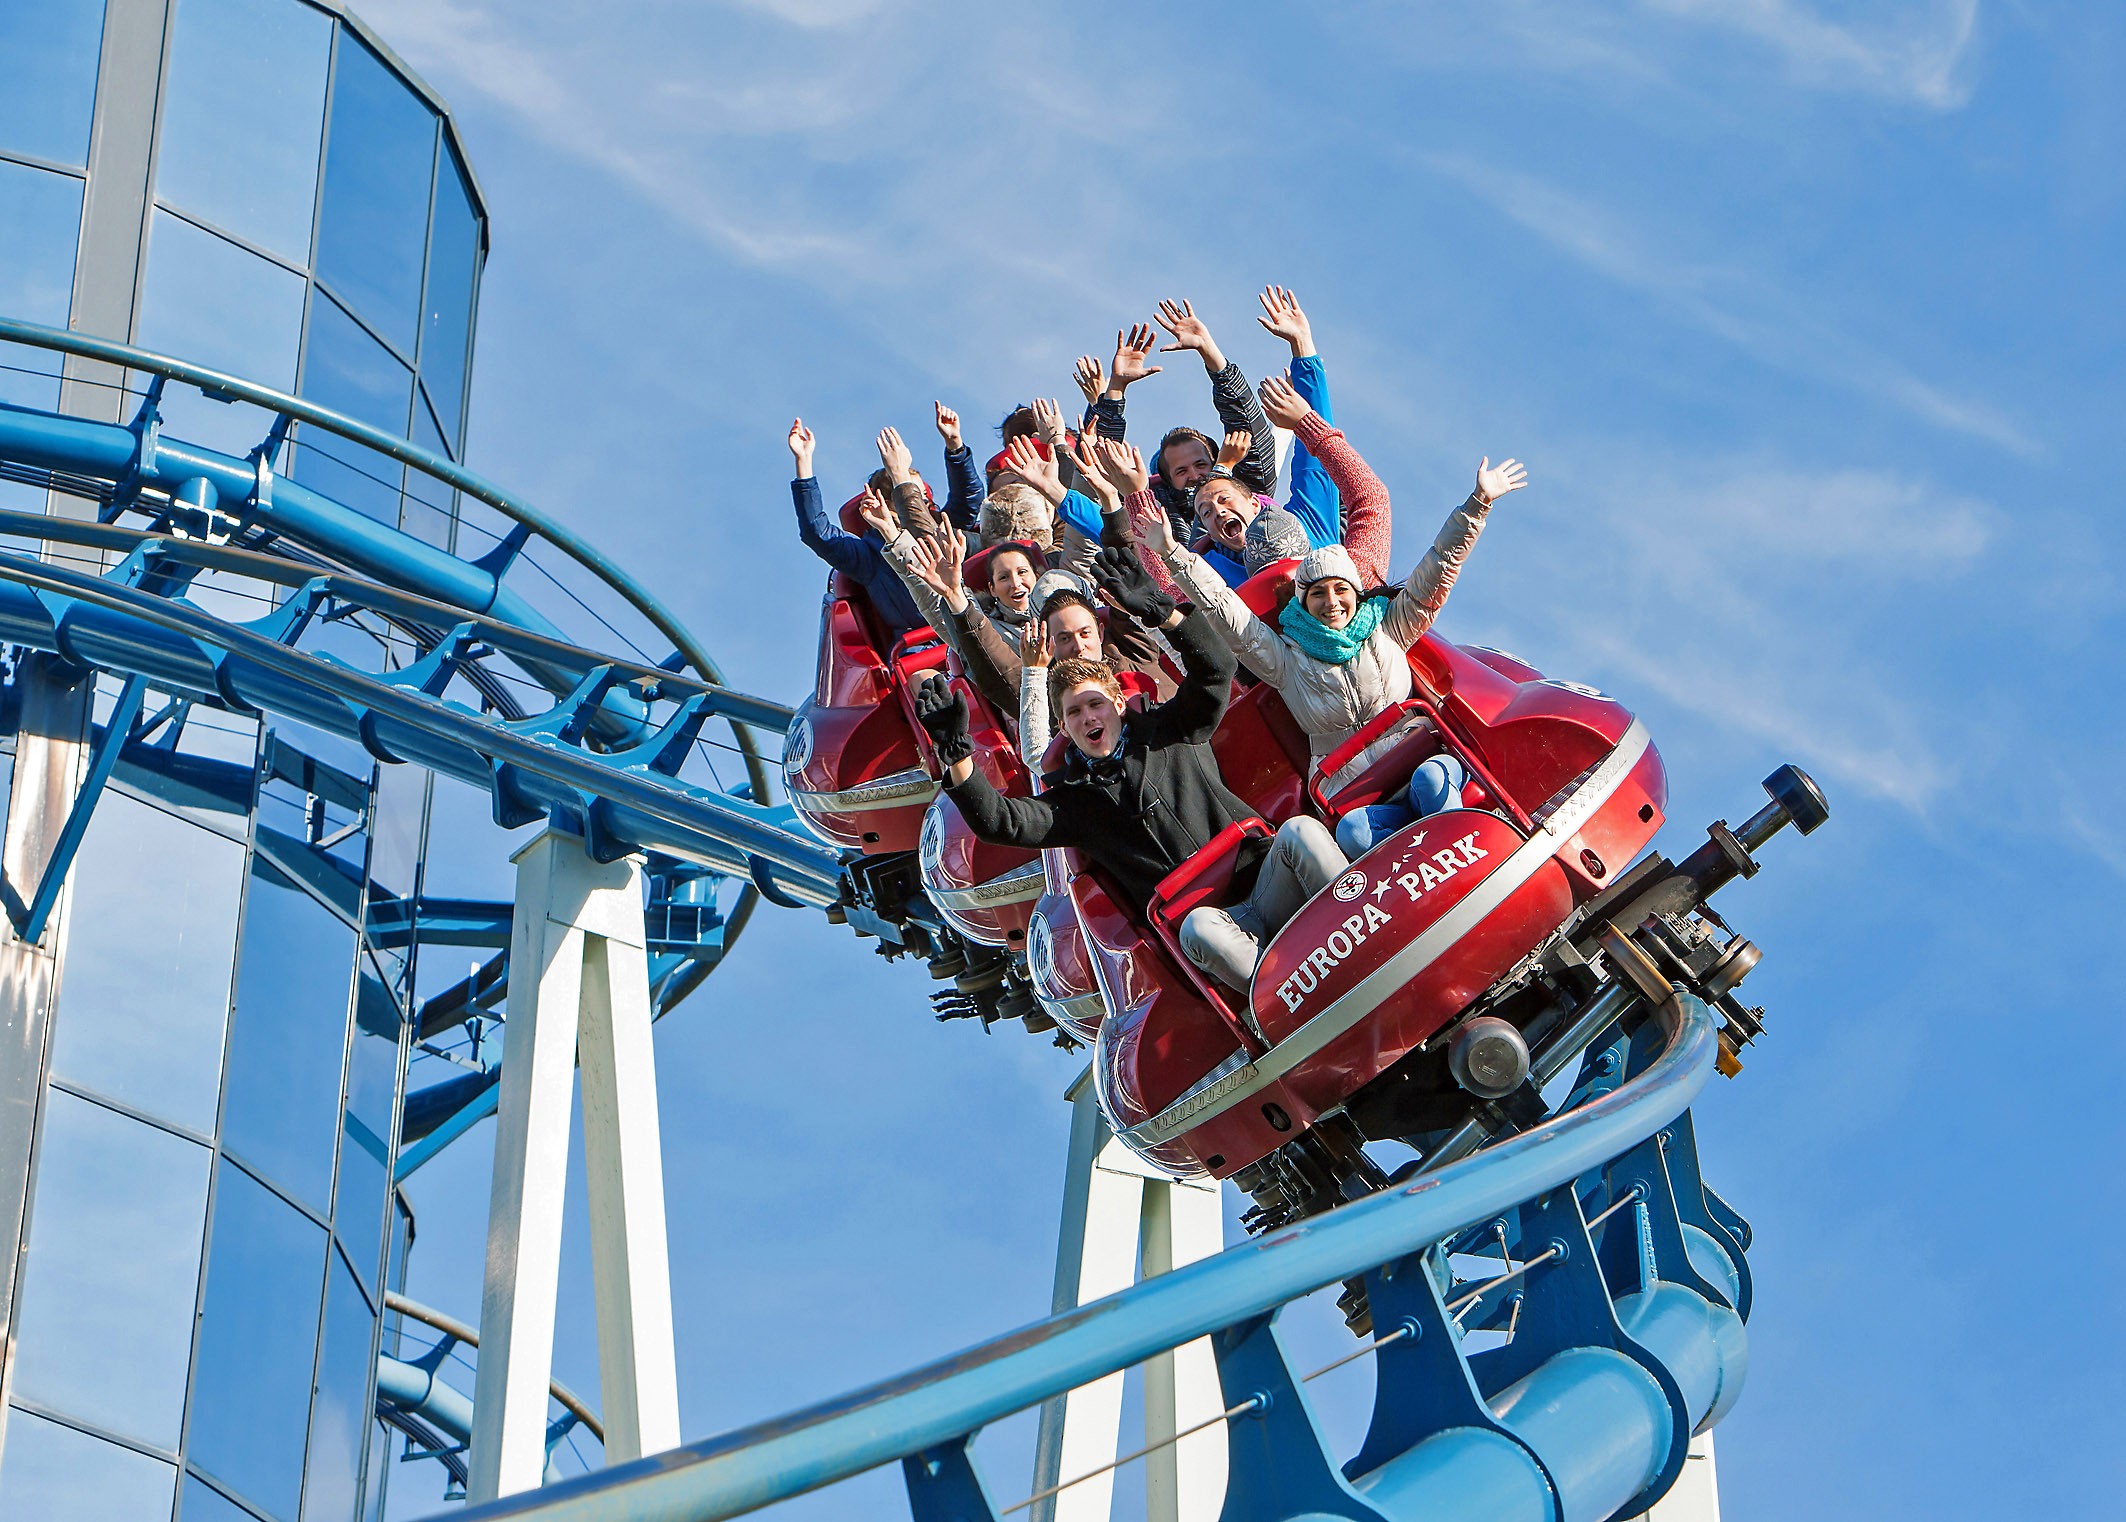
(1424, 996)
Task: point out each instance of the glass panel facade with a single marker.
(243, 118)
(203, 1503)
(257, 1344)
(48, 77)
(214, 1219)
(287, 1037)
(219, 305)
(342, 1416)
(54, 1473)
(152, 938)
(372, 1089)
(41, 211)
(373, 226)
(344, 368)
(40, 219)
(446, 315)
(106, 1315)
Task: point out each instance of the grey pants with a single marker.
(1227, 943)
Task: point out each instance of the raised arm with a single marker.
(1132, 363)
(965, 489)
(1425, 593)
(1238, 410)
(1029, 822)
(1311, 494)
(1368, 521)
(910, 502)
(820, 533)
(1034, 730)
(1253, 641)
(1124, 470)
(1207, 666)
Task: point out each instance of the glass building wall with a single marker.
(212, 1225)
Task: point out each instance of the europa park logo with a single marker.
(1349, 886)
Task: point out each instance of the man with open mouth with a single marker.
(1139, 793)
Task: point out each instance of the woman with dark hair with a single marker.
(1337, 652)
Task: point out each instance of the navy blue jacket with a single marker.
(857, 556)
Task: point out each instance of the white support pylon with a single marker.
(1124, 1220)
(578, 990)
(1695, 1497)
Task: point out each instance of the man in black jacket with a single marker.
(1140, 793)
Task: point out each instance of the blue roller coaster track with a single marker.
(208, 582)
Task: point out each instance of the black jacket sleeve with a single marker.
(1032, 823)
(1238, 407)
(1207, 666)
(1105, 417)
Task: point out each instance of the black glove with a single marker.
(1129, 586)
(943, 711)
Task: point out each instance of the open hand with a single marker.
(948, 423)
(876, 511)
(1083, 454)
(1281, 402)
(1494, 481)
(1234, 449)
(1123, 466)
(1034, 648)
(1188, 330)
(1282, 316)
(1091, 379)
(893, 454)
(1023, 458)
(801, 447)
(937, 564)
(1133, 346)
(1048, 421)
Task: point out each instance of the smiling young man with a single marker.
(1140, 793)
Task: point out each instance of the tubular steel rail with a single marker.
(1622, 1344)
(1622, 1282)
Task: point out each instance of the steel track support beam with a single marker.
(1124, 1221)
(103, 760)
(579, 993)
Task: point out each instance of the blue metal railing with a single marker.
(620, 800)
(1588, 1435)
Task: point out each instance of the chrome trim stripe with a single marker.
(1568, 820)
(881, 793)
(1014, 887)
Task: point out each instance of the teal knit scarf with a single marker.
(1332, 647)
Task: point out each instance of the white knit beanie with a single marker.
(1329, 560)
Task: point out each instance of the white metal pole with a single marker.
(624, 1178)
(1122, 1219)
(578, 985)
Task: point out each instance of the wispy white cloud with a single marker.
(1744, 306)
(1919, 53)
(1744, 594)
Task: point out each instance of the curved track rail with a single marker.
(1620, 1285)
(1620, 1346)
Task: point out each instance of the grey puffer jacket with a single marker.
(1332, 702)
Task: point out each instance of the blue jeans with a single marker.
(1436, 785)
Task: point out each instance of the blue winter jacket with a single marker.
(857, 556)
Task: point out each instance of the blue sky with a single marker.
(1804, 317)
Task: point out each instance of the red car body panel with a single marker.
(1565, 790)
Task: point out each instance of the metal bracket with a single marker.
(1567, 1305)
(943, 1485)
(102, 762)
(1277, 1462)
(1422, 1383)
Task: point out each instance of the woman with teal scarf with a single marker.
(1337, 653)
